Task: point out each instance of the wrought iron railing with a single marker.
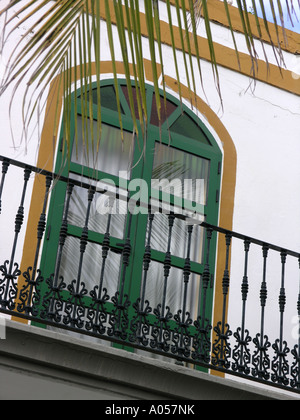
(250, 338)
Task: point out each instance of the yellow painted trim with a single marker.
(45, 161)
(289, 40)
(225, 57)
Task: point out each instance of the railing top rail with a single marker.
(44, 172)
(118, 195)
(251, 240)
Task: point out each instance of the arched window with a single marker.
(156, 189)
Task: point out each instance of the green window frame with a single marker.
(172, 134)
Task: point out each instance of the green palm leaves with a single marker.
(69, 39)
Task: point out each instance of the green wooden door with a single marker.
(162, 173)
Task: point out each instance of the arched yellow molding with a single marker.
(47, 153)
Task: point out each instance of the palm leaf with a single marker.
(63, 41)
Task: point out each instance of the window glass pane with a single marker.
(187, 127)
(101, 206)
(91, 268)
(166, 109)
(175, 289)
(111, 157)
(178, 171)
(135, 103)
(179, 238)
(107, 96)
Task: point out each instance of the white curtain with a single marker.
(110, 154)
(175, 284)
(174, 164)
(169, 163)
(92, 263)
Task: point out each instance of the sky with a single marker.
(295, 26)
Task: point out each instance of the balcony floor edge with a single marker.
(38, 364)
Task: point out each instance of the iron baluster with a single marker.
(147, 260)
(119, 316)
(160, 330)
(261, 360)
(63, 233)
(295, 368)
(280, 364)
(206, 276)
(96, 313)
(19, 217)
(5, 165)
(140, 325)
(221, 346)
(10, 269)
(105, 250)
(74, 307)
(30, 295)
(241, 354)
(201, 342)
(181, 337)
(167, 262)
(53, 298)
(125, 257)
(164, 316)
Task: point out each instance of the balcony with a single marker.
(255, 337)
